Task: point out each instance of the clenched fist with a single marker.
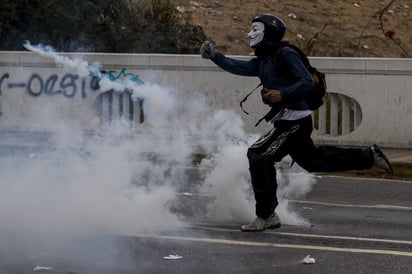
(207, 50)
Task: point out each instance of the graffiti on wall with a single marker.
(68, 85)
(122, 74)
(71, 85)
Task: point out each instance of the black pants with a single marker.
(293, 138)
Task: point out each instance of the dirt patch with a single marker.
(341, 28)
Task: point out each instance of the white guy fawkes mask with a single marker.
(257, 31)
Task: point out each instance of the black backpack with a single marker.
(314, 97)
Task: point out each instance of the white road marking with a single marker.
(277, 245)
(327, 175)
(301, 235)
(366, 178)
(395, 207)
(392, 207)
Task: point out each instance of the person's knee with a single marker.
(252, 155)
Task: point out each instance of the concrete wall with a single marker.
(377, 94)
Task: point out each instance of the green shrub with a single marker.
(139, 26)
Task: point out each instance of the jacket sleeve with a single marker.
(301, 76)
(238, 67)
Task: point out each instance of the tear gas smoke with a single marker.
(115, 185)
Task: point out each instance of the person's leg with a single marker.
(262, 156)
(263, 177)
(331, 158)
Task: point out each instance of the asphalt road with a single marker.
(357, 225)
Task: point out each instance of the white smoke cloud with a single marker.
(81, 66)
(124, 185)
(294, 183)
(228, 183)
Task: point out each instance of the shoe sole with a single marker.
(381, 154)
(260, 230)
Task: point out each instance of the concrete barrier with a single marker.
(370, 100)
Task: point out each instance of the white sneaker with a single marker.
(380, 160)
(260, 224)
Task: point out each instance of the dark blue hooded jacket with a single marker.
(287, 74)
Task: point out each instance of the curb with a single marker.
(401, 171)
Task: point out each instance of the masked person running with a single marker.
(292, 125)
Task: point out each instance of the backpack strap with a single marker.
(247, 95)
(272, 112)
(274, 109)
